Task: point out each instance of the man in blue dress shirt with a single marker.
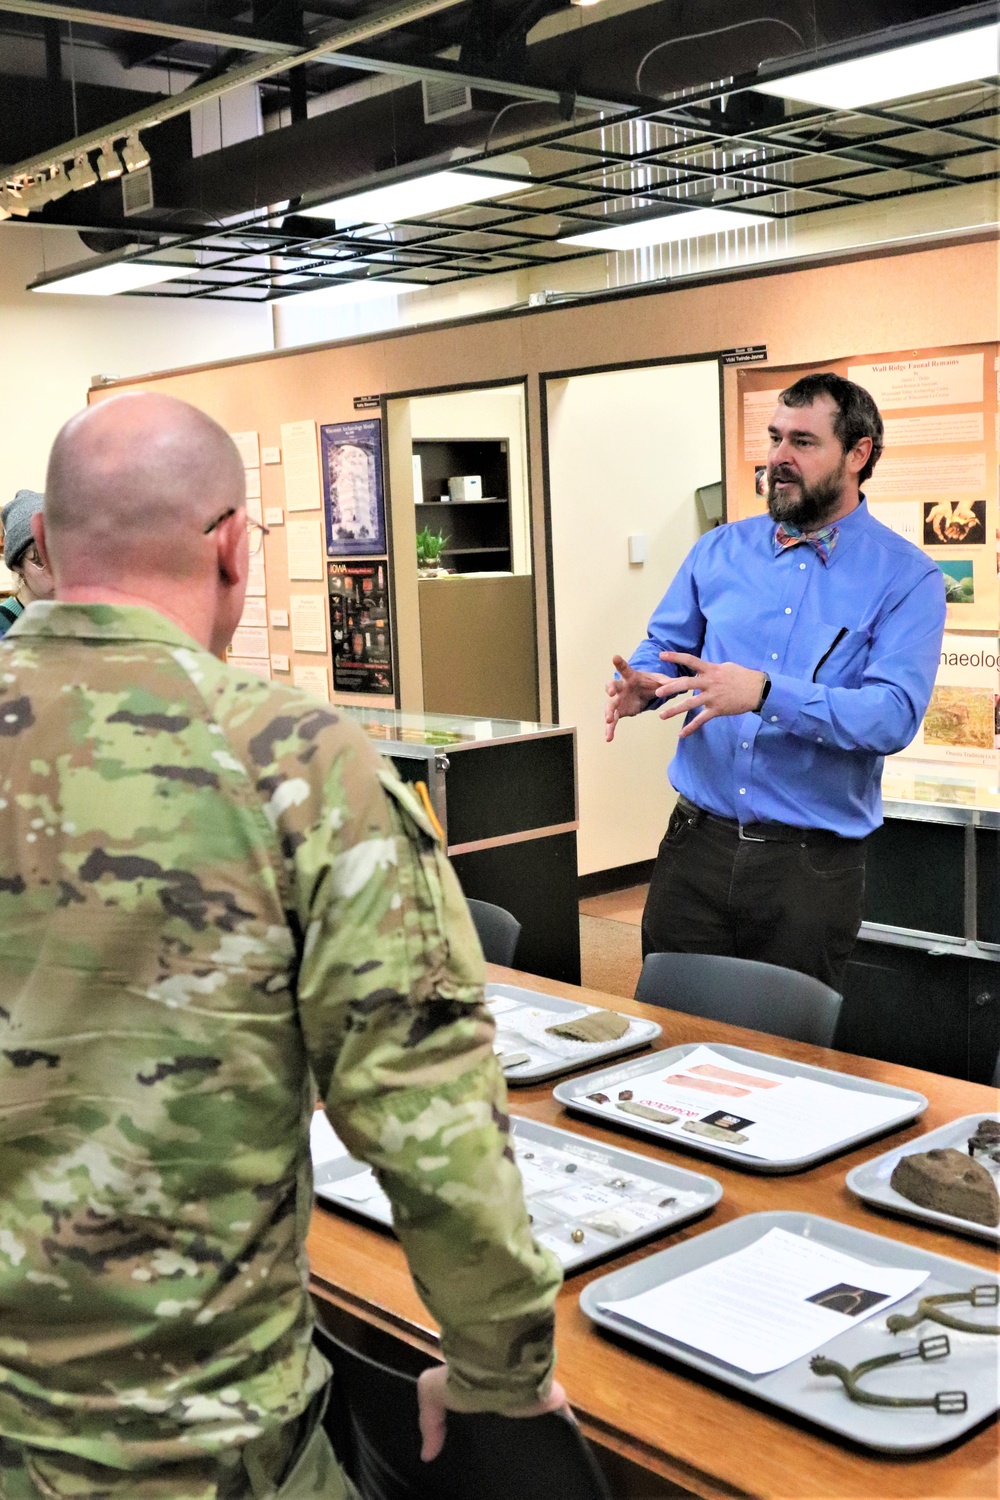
(809, 639)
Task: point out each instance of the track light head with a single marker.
(109, 163)
(82, 175)
(134, 154)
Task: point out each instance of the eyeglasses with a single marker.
(255, 531)
(32, 555)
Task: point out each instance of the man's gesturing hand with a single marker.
(723, 689)
(629, 693)
(432, 1398)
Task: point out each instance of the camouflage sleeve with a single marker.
(401, 1045)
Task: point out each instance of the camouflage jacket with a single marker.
(216, 898)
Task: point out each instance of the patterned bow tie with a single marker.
(822, 541)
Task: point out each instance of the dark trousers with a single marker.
(795, 903)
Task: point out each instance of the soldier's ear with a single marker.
(231, 549)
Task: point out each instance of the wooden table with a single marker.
(681, 1426)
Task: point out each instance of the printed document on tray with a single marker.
(769, 1304)
(770, 1116)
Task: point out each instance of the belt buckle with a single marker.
(750, 838)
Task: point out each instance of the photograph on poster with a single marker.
(954, 522)
(959, 587)
(352, 488)
(760, 480)
(360, 632)
(960, 716)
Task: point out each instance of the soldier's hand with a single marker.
(723, 689)
(432, 1399)
(628, 694)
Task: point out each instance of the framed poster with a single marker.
(360, 632)
(352, 488)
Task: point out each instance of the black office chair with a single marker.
(742, 992)
(498, 932)
(485, 1456)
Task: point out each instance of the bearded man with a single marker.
(809, 640)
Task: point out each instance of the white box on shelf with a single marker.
(466, 487)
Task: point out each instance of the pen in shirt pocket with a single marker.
(830, 649)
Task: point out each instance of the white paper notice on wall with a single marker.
(279, 663)
(258, 667)
(249, 640)
(274, 515)
(248, 447)
(944, 380)
(302, 487)
(279, 619)
(253, 483)
(270, 455)
(254, 612)
(309, 614)
(758, 409)
(304, 541)
(312, 679)
(256, 580)
(253, 508)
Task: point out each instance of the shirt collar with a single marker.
(50, 619)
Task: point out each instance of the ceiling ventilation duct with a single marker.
(443, 98)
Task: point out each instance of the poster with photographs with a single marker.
(360, 634)
(351, 457)
(960, 725)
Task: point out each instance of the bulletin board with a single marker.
(936, 484)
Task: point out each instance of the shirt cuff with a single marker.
(785, 702)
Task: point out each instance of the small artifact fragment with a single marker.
(528, 1155)
(577, 1236)
(571, 1166)
(985, 1138)
(646, 1111)
(512, 1059)
(599, 1026)
(618, 1182)
(666, 1202)
(949, 1183)
(599, 1098)
(625, 1093)
(715, 1132)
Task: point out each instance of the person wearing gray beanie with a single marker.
(22, 557)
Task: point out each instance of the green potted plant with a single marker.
(430, 545)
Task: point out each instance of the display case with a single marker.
(504, 792)
(923, 984)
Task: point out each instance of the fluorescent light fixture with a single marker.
(112, 277)
(108, 163)
(82, 175)
(134, 154)
(340, 294)
(680, 226)
(920, 68)
(413, 199)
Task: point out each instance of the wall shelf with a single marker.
(472, 528)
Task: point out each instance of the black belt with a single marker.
(761, 833)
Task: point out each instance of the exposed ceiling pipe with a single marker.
(387, 18)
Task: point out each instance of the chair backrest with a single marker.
(742, 992)
(498, 932)
(484, 1455)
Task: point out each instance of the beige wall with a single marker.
(944, 295)
(627, 450)
(52, 345)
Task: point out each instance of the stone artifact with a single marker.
(600, 1026)
(949, 1183)
(646, 1111)
(986, 1137)
(715, 1132)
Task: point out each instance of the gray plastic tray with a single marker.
(647, 1181)
(870, 1180)
(573, 1094)
(971, 1366)
(559, 1054)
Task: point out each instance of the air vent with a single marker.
(442, 99)
(137, 192)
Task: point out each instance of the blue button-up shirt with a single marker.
(851, 646)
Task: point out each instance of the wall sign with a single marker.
(367, 403)
(745, 354)
(352, 488)
(360, 632)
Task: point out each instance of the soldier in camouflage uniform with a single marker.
(215, 899)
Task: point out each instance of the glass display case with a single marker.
(504, 792)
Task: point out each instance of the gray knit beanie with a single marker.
(16, 517)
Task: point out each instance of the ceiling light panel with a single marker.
(414, 199)
(107, 280)
(939, 63)
(686, 226)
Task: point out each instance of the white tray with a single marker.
(646, 1182)
(548, 1056)
(870, 1180)
(971, 1365)
(574, 1091)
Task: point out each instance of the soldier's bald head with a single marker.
(132, 483)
